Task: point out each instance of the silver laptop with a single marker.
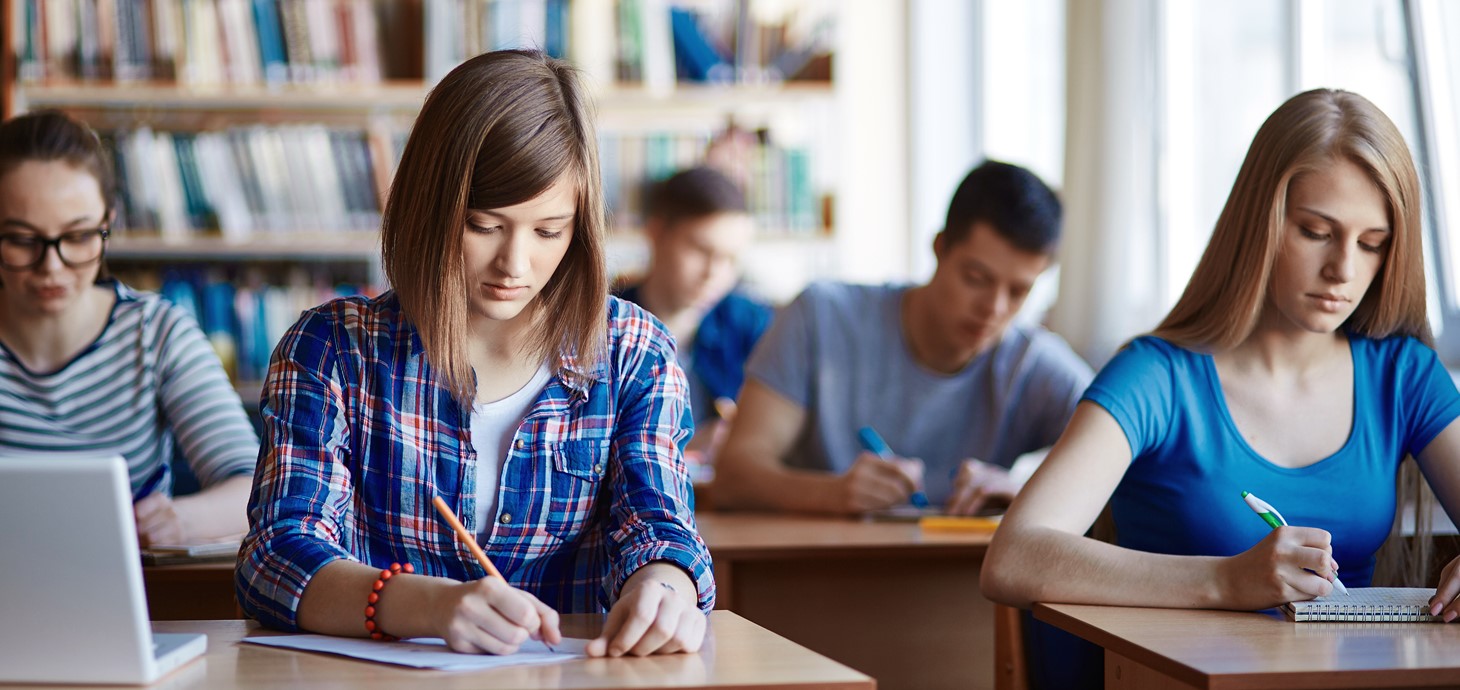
(72, 606)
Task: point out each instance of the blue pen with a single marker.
(153, 481)
(1274, 519)
(873, 442)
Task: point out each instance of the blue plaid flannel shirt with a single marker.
(359, 435)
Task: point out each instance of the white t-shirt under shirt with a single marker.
(493, 425)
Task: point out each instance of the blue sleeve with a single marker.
(301, 489)
(1137, 388)
(784, 356)
(651, 514)
(1430, 400)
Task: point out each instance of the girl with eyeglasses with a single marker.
(89, 365)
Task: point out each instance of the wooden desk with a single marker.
(884, 598)
(1158, 649)
(738, 654)
(203, 591)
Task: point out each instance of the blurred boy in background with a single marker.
(697, 226)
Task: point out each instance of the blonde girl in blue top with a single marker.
(1297, 366)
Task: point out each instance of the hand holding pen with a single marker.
(155, 513)
(879, 479)
(1310, 540)
(490, 615)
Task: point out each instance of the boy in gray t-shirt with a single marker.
(937, 369)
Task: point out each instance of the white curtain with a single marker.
(1111, 254)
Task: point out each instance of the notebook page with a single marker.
(1368, 604)
(425, 652)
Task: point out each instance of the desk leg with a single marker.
(1123, 674)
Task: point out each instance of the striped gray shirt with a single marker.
(149, 385)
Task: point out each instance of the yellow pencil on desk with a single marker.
(956, 523)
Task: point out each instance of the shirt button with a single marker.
(506, 519)
(520, 444)
(597, 468)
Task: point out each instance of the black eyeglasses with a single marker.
(75, 248)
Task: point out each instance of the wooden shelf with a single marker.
(400, 95)
(723, 97)
(362, 245)
(170, 96)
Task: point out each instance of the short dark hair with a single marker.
(693, 193)
(1019, 206)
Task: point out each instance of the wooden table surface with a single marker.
(1231, 650)
(886, 598)
(737, 655)
(763, 536)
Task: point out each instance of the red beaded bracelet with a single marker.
(375, 590)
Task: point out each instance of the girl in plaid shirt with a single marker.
(497, 375)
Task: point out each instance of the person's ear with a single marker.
(940, 243)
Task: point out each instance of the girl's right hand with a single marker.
(490, 616)
(1289, 564)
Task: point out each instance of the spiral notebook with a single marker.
(1368, 605)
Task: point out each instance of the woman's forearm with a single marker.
(334, 602)
(1041, 564)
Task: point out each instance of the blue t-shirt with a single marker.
(1183, 491)
(715, 361)
(838, 351)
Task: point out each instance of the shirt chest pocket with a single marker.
(576, 486)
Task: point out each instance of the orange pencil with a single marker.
(471, 542)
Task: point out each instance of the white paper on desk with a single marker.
(425, 652)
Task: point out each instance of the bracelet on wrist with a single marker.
(374, 600)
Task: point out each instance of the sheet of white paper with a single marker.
(425, 652)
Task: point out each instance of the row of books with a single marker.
(245, 180)
(247, 42)
(459, 29)
(777, 179)
(245, 313)
(722, 41)
(207, 42)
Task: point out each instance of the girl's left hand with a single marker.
(979, 483)
(656, 614)
(1444, 603)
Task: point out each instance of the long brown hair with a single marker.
(1228, 290)
(497, 131)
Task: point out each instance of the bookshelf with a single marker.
(648, 126)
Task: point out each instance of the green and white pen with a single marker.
(1274, 519)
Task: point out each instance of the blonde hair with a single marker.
(1227, 292)
(1228, 289)
(497, 131)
